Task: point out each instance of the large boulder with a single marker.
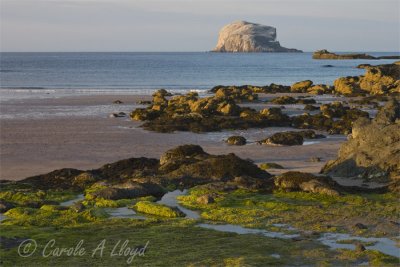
(373, 150)
(242, 36)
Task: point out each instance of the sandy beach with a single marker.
(43, 134)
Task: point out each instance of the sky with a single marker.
(193, 25)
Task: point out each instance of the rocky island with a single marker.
(325, 54)
(243, 36)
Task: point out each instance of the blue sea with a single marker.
(142, 73)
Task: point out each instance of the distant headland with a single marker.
(243, 36)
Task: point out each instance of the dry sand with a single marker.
(41, 135)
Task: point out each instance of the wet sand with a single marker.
(41, 135)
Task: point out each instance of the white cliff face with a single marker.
(242, 36)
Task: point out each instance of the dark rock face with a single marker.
(242, 36)
(373, 151)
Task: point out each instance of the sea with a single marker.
(56, 74)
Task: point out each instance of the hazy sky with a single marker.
(193, 25)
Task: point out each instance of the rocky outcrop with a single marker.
(242, 36)
(373, 150)
(377, 80)
(184, 166)
(325, 54)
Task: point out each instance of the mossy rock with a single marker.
(157, 209)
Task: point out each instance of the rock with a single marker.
(327, 66)
(319, 89)
(84, 179)
(242, 36)
(134, 190)
(298, 181)
(284, 100)
(319, 187)
(301, 87)
(373, 151)
(78, 207)
(142, 114)
(378, 80)
(309, 107)
(270, 165)
(325, 54)
(117, 115)
(118, 102)
(236, 140)
(185, 154)
(230, 109)
(5, 206)
(284, 138)
(205, 199)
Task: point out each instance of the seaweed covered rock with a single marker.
(236, 140)
(334, 118)
(216, 168)
(186, 166)
(284, 138)
(307, 182)
(184, 154)
(377, 80)
(373, 151)
(319, 89)
(301, 87)
(62, 178)
(128, 168)
(285, 100)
